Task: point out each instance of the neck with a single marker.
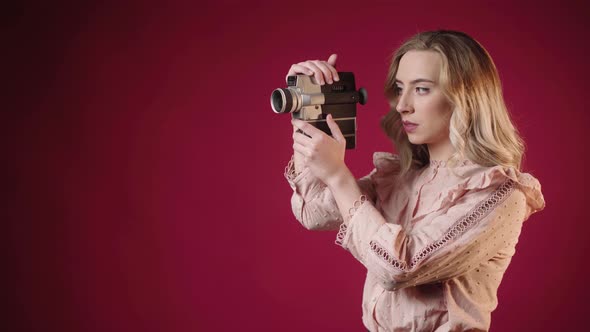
(442, 150)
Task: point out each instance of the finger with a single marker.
(299, 131)
(301, 138)
(299, 69)
(318, 73)
(336, 133)
(332, 65)
(332, 59)
(307, 128)
(301, 149)
(324, 67)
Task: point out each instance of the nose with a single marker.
(404, 103)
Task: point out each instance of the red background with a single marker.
(145, 187)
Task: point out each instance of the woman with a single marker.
(435, 225)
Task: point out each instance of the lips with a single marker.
(409, 126)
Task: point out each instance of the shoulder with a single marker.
(386, 161)
(387, 169)
(523, 188)
(383, 178)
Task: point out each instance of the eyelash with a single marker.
(418, 88)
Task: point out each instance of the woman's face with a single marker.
(420, 99)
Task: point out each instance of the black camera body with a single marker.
(309, 101)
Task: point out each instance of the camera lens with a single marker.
(281, 101)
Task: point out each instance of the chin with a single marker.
(415, 140)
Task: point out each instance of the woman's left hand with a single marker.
(323, 155)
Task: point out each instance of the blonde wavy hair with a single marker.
(481, 129)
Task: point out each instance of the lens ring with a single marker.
(281, 101)
(277, 101)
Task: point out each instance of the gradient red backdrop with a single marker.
(145, 189)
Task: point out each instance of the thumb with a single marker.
(332, 60)
(336, 133)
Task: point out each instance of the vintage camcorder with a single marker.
(309, 101)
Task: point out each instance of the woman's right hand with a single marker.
(322, 71)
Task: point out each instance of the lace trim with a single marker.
(356, 205)
(462, 225)
(290, 173)
(343, 227)
(341, 234)
(444, 163)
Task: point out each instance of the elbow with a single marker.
(391, 285)
(312, 219)
(388, 284)
(305, 221)
(312, 226)
(389, 279)
(319, 225)
(386, 280)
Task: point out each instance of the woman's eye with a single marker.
(419, 90)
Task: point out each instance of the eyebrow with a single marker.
(418, 80)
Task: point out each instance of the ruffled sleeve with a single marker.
(531, 188)
(525, 182)
(384, 176)
(482, 215)
(456, 183)
(312, 202)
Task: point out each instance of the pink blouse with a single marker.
(435, 243)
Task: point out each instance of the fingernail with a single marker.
(336, 78)
(330, 81)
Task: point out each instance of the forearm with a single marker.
(312, 202)
(345, 189)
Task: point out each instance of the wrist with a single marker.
(340, 178)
